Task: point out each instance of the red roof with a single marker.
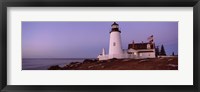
(138, 46)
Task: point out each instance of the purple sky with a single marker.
(86, 39)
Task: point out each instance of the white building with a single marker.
(142, 50)
(135, 50)
(115, 46)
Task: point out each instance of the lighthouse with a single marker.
(115, 47)
(135, 50)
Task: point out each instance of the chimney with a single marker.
(133, 44)
(103, 52)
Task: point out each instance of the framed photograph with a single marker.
(123, 45)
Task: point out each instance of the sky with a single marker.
(86, 39)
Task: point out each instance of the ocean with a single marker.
(45, 63)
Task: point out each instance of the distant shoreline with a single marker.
(56, 58)
(45, 63)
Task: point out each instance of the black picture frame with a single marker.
(99, 3)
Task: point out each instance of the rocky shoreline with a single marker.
(163, 63)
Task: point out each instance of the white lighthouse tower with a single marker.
(115, 47)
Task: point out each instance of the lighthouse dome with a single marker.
(114, 24)
(115, 28)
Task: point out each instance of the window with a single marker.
(114, 44)
(148, 46)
